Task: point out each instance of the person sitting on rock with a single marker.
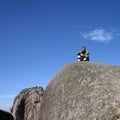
(83, 55)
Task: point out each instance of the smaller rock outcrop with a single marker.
(4, 115)
(27, 104)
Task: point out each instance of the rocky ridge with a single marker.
(4, 115)
(83, 91)
(27, 104)
(80, 91)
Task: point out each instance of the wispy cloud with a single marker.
(100, 35)
(7, 96)
(6, 101)
(6, 106)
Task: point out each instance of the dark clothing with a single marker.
(83, 56)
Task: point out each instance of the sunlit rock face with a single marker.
(27, 104)
(83, 91)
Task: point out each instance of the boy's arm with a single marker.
(87, 53)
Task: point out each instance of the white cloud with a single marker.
(100, 35)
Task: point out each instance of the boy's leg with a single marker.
(80, 58)
(86, 59)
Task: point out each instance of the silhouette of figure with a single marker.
(83, 55)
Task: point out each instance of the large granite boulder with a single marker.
(27, 104)
(4, 115)
(83, 91)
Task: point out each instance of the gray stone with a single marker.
(4, 115)
(27, 104)
(83, 91)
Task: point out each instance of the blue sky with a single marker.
(39, 37)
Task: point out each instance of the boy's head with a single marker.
(83, 48)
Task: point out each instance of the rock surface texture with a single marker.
(27, 104)
(81, 91)
(5, 115)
